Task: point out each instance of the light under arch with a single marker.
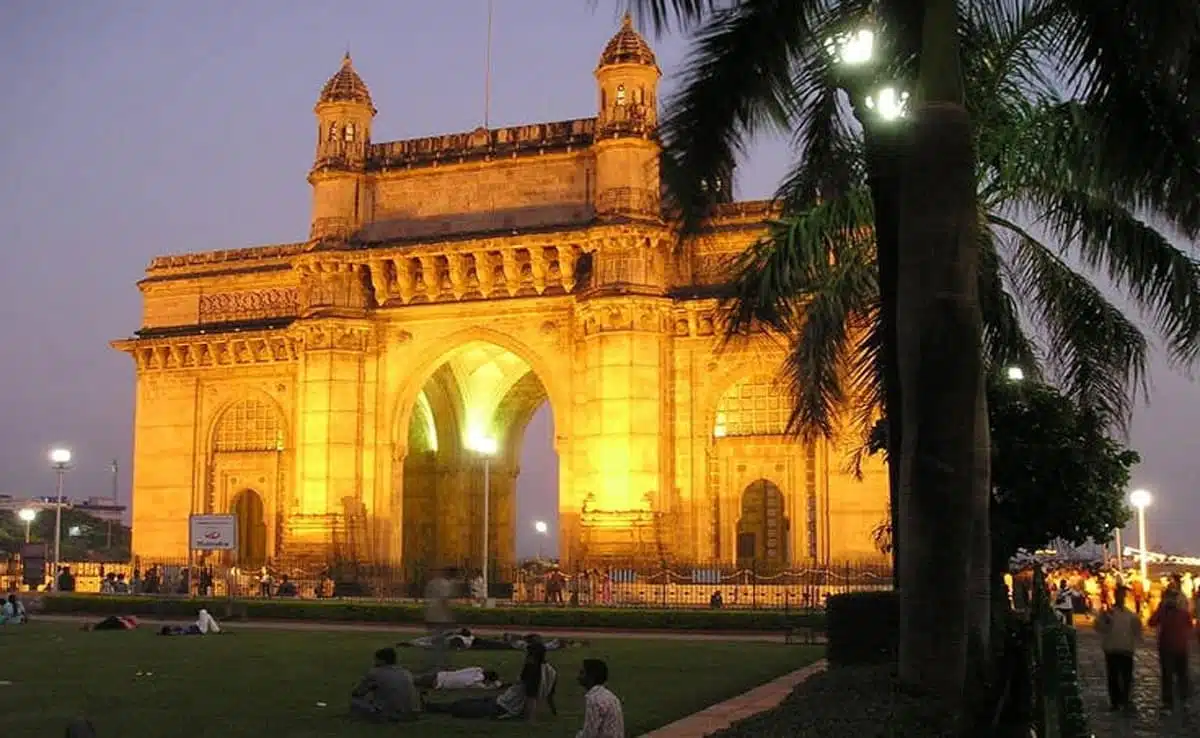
(446, 347)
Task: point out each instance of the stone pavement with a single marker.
(1149, 721)
(724, 714)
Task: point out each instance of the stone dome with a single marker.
(627, 47)
(346, 86)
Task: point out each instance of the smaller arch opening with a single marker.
(763, 528)
(250, 512)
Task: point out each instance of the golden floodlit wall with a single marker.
(335, 394)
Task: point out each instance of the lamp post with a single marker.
(486, 447)
(855, 53)
(27, 515)
(60, 461)
(542, 529)
(1141, 499)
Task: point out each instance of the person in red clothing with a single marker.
(1174, 625)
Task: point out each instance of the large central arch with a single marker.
(476, 392)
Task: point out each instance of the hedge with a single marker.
(851, 702)
(863, 628)
(346, 611)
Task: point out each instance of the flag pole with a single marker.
(487, 72)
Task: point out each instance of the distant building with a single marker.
(101, 508)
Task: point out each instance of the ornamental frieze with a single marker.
(203, 351)
(226, 307)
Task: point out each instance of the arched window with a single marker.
(349, 133)
(620, 94)
(249, 425)
(333, 132)
(756, 406)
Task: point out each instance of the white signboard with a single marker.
(212, 532)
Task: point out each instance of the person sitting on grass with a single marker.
(472, 677)
(386, 694)
(537, 683)
(13, 611)
(602, 713)
(114, 622)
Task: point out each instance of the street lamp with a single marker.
(888, 103)
(542, 530)
(486, 447)
(1015, 374)
(852, 48)
(27, 515)
(60, 461)
(1141, 499)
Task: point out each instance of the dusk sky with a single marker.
(138, 129)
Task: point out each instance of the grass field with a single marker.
(256, 683)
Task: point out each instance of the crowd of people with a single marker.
(1121, 607)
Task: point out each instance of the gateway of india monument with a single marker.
(336, 394)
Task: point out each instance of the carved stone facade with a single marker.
(333, 394)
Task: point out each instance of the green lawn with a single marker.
(259, 683)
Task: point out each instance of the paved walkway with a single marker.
(578, 634)
(722, 715)
(1149, 721)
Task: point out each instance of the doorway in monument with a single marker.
(251, 529)
(762, 530)
(482, 408)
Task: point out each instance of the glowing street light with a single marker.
(485, 446)
(60, 461)
(1141, 499)
(543, 530)
(852, 48)
(889, 104)
(1015, 374)
(27, 516)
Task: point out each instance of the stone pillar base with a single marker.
(623, 536)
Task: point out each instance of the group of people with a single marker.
(392, 694)
(1120, 630)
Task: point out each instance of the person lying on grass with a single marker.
(463, 640)
(204, 625)
(114, 622)
(472, 677)
(536, 684)
(386, 694)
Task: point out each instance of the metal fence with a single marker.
(626, 584)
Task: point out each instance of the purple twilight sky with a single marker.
(139, 128)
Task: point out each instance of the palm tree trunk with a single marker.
(939, 340)
(883, 175)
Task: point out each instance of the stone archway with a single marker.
(247, 506)
(763, 528)
(478, 393)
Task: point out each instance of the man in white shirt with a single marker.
(602, 713)
(472, 677)
(438, 616)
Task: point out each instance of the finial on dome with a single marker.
(345, 85)
(627, 46)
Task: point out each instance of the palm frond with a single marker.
(1096, 354)
(666, 15)
(1005, 342)
(773, 275)
(737, 81)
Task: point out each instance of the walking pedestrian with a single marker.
(1174, 625)
(438, 617)
(1120, 632)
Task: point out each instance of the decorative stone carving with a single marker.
(335, 336)
(227, 307)
(205, 350)
(332, 284)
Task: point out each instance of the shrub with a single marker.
(345, 611)
(851, 702)
(863, 628)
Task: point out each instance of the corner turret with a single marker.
(344, 116)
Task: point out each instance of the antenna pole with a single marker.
(487, 72)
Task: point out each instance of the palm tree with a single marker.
(759, 64)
